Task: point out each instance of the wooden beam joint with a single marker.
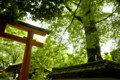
(20, 39)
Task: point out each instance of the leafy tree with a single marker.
(88, 25)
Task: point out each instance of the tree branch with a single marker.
(77, 17)
(69, 9)
(100, 2)
(108, 15)
(74, 3)
(73, 17)
(70, 22)
(105, 18)
(86, 13)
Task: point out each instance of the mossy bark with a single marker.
(93, 51)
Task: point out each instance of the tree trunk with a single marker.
(93, 51)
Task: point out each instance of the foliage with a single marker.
(88, 10)
(4, 76)
(40, 9)
(52, 56)
(115, 55)
(107, 56)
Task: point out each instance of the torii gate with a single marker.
(28, 41)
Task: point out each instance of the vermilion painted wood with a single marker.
(28, 41)
(27, 56)
(38, 44)
(1, 71)
(20, 39)
(21, 27)
(12, 37)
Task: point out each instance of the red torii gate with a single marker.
(28, 41)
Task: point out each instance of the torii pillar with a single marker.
(28, 41)
(27, 55)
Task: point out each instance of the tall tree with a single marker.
(90, 16)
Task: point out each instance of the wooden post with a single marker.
(2, 26)
(27, 55)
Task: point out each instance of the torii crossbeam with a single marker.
(31, 30)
